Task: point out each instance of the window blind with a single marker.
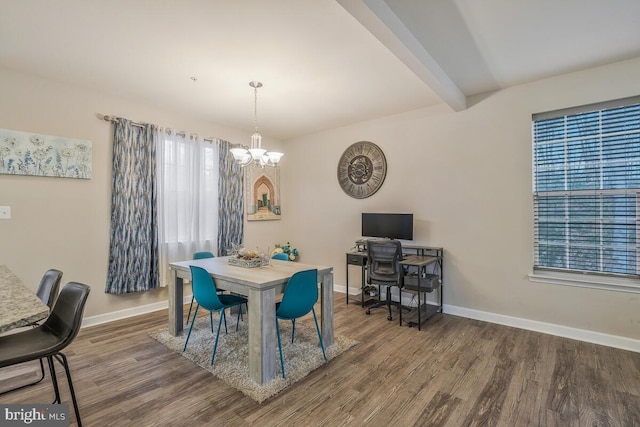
(586, 181)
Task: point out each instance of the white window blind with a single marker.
(586, 181)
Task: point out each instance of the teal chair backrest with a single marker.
(204, 289)
(203, 255)
(280, 255)
(300, 294)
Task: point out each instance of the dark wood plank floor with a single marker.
(455, 372)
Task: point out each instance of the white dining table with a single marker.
(19, 305)
(260, 285)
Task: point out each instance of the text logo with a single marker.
(34, 415)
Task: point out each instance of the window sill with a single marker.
(587, 281)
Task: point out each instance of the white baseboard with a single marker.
(87, 322)
(343, 289)
(615, 341)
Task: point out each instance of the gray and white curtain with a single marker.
(133, 251)
(230, 200)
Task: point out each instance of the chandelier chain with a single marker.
(255, 108)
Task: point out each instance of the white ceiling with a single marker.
(324, 63)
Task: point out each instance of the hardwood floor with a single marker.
(455, 372)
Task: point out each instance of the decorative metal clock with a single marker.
(362, 169)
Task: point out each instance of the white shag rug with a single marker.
(232, 357)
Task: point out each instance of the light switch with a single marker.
(5, 212)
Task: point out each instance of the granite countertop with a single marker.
(19, 305)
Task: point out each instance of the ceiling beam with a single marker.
(384, 24)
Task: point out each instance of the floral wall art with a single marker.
(25, 153)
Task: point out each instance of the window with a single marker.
(586, 181)
(187, 198)
(189, 208)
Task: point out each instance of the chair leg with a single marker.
(54, 379)
(239, 317)
(389, 302)
(280, 348)
(319, 334)
(193, 298)
(215, 346)
(400, 303)
(31, 383)
(63, 360)
(380, 302)
(293, 329)
(41, 372)
(191, 327)
(224, 316)
(211, 320)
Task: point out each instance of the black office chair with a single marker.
(47, 292)
(384, 269)
(49, 339)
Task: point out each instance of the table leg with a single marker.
(326, 301)
(362, 284)
(262, 335)
(175, 304)
(420, 306)
(347, 274)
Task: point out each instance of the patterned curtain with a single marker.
(230, 200)
(133, 251)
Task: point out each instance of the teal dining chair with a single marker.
(198, 255)
(281, 256)
(300, 295)
(206, 295)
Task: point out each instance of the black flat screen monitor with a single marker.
(387, 225)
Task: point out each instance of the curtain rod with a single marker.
(113, 119)
(183, 134)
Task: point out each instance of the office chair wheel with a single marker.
(368, 312)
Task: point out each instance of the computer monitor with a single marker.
(388, 225)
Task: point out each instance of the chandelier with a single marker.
(255, 154)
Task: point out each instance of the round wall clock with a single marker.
(362, 169)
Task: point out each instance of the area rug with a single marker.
(232, 358)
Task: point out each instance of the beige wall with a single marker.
(466, 177)
(64, 223)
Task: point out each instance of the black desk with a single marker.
(358, 258)
(421, 281)
(418, 259)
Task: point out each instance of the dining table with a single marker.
(19, 304)
(260, 285)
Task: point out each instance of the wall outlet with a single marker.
(5, 212)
